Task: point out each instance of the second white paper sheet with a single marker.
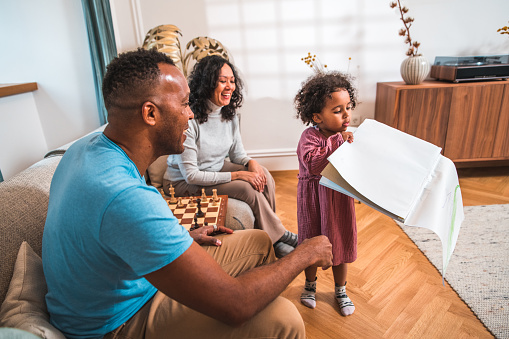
(408, 163)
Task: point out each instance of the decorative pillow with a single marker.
(24, 306)
(14, 333)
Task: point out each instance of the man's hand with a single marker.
(204, 235)
(320, 249)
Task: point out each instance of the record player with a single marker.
(471, 68)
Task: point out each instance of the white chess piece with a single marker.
(172, 195)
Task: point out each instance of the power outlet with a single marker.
(356, 120)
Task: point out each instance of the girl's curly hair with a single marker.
(203, 82)
(315, 89)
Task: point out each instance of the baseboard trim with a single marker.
(280, 159)
(268, 153)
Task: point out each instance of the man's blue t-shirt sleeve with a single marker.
(142, 234)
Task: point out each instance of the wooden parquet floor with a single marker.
(397, 292)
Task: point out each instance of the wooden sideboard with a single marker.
(470, 121)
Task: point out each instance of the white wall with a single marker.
(24, 147)
(44, 42)
(269, 37)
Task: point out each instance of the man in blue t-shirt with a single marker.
(116, 261)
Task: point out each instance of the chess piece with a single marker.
(199, 213)
(215, 198)
(173, 200)
(203, 195)
(196, 222)
(179, 203)
(191, 202)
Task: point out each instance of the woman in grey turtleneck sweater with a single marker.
(213, 135)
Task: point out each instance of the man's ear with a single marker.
(316, 118)
(149, 113)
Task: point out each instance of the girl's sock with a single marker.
(308, 294)
(346, 306)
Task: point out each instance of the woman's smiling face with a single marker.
(225, 87)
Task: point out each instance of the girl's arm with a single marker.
(315, 154)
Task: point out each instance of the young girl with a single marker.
(325, 101)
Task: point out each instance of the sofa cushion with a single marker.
(156, 171)
(24, 306)
(23, 206)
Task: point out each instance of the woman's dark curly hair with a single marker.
(203, 82)
(312, 96)
(131, 77)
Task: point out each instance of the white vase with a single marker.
(414, 69)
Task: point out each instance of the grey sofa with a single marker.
(23, 207)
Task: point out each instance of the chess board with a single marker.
(213, 214)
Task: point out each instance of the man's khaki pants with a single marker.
(163, 317)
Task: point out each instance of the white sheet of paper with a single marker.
(398, 185)
(402, 176)
(440, 208)
(333, 180)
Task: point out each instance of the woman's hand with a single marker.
(204, 235)
(255, 179)
(255, 167)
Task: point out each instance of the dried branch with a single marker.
(407, 23)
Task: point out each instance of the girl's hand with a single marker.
(347, 136)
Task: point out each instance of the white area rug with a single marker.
(479, 267)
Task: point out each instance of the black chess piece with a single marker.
(196, 223)
(199, 213)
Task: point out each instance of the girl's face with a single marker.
(335, 116)
(225, 87)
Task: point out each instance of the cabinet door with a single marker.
(386, 104)
(473, 121)
(501, 147)
(424, 113)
